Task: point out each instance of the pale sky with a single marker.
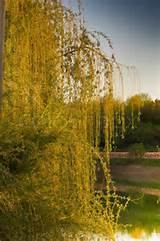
(134, 27)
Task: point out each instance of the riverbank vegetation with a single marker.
(136, 161)
(142, 131)
(141, 118)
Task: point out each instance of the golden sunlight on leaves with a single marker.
(57, 83)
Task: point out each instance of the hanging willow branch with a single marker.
(2, 22)
(59, 93)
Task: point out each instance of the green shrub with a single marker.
(33, 205)
(137, 150)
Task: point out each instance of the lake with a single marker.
(140, 236)
(143, 217)
(143, 214)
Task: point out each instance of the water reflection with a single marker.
(136, 236)
(141, 237)
(143, 215)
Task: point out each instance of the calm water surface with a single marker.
(141, 237)
(143, 214)
(137, 236)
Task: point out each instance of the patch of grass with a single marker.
(155, 185)
(135, 161)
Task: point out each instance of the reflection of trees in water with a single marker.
(143, 214)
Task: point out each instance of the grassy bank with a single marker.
(135, 161)
(137, 183)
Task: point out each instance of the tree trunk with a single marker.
(2, 20)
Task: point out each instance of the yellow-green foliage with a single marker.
(55, 74)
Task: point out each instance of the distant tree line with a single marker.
(142, 124)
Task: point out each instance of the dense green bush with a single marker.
(137, 150)
(33, 206)
(22, 204)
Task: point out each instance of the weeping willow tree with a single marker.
(55, 75)
(2, 20)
